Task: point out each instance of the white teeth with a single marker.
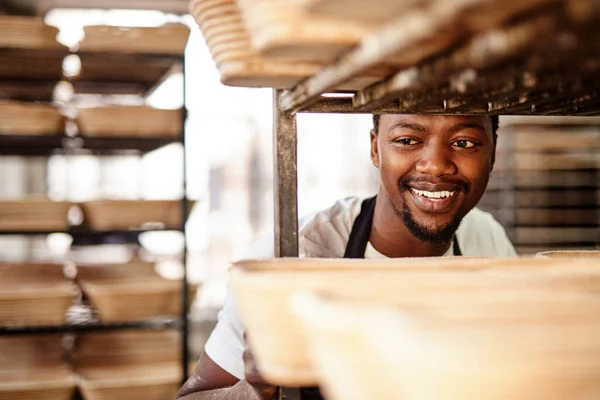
(434, 195)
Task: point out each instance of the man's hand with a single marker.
(264, 390)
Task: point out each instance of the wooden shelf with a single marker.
(24, 145)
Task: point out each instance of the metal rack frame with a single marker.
(48, 145)
(531, 73)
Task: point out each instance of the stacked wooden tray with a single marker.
(33, 215)
(536, 297)
(106, 215)
(168, 39)
(240, 63)
(130, 121)
(545, 187)
(128, 365)
(130, 292)
(32, 368)
(20, 118)
(34, 294)
(27, 33)
(263, 289)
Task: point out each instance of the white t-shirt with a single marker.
(325, 235)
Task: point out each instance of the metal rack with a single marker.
(99, 78)
(545, 65)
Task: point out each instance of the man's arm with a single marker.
(210, 381)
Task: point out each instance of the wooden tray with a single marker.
(571, 254)
(541, 236)
(377, 11)
(532, 198)
(131, 292)
(279, 28)
(383, 350)
(27, 33)
(169, 39)
(546, 217)
(152, 382)
(34, 294)
(129, 365)
(31, 367)
(130, 121)
(240, 64)
(135, 299)
(19, 118)
(105, 215)
(33, 215)
(263, 289)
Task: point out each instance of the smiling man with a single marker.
(433, 170)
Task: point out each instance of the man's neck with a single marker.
(390, 237)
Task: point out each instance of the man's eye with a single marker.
(407, 142)
(463, 144)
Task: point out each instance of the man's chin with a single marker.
(430, 228)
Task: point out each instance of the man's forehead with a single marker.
(436, 120)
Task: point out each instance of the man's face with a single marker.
(434, 169)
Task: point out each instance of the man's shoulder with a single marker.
(326, 232)
(480, 234)
(321, 234)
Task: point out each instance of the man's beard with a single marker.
(435, 236)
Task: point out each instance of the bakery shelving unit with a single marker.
(544, 65)
(99, 76)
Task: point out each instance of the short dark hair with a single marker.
(494, 118)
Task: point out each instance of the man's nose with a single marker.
(436, 160)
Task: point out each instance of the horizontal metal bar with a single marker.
(157, 324)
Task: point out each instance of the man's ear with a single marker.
(374, 149)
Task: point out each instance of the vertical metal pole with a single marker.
(285, 187)
(285, 190)
(184, 215)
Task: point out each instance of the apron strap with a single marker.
(361, 230)
(456, 247)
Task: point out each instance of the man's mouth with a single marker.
(443, 194)
(434, 201)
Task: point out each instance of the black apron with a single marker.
(357, 244)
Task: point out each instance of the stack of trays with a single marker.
(31, 368)
(535, 320)
(129, 121)
(266, 37)
(19, 118)
(130, 292)
(128, 365)
(168, 39)
(33, 215)
(106, 215)
(27, 33)
(34, 294)
(545, 187)
(240, 63)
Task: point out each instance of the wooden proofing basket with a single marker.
(169, 39)
(34, 294)
(129, 214)
(31, 368)
(126, 121)
(129, 365)
(27, 33)
(19, 118)
(33, 215)
(524, 344)
(571, 254)
(263, 289)
(120, 293)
